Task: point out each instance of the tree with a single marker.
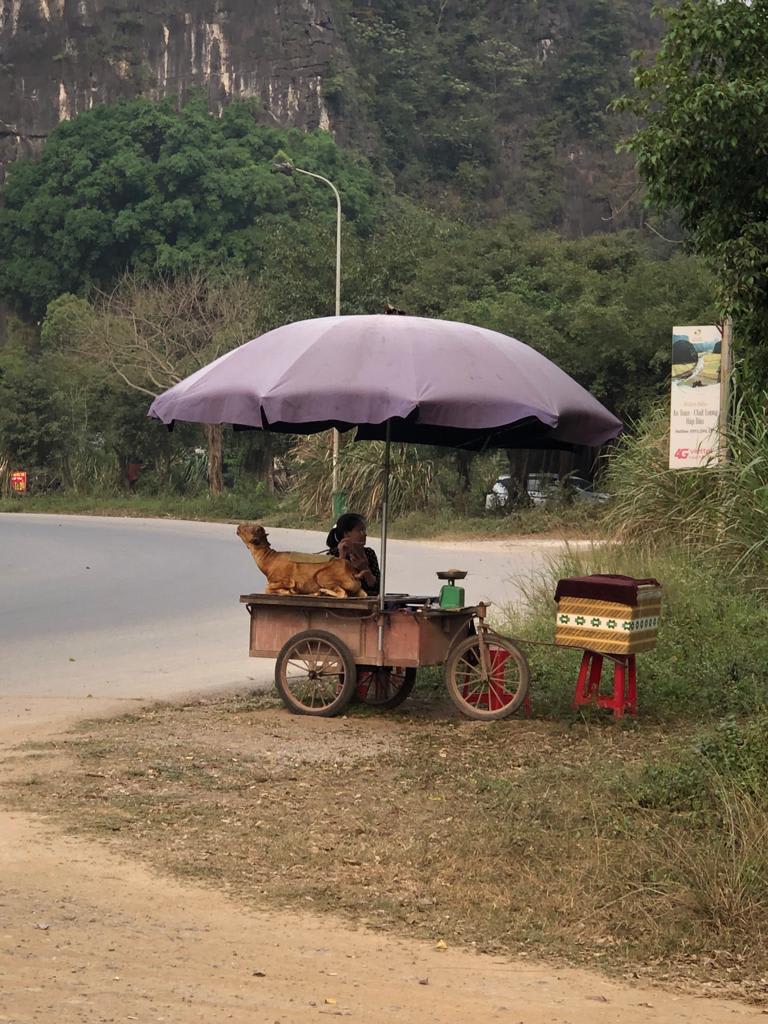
(703, 148)
(601, 308)
(149, 336)
(32, 414)
(140, 186)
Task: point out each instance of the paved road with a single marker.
(146, 608)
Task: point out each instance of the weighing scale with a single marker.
(451, 596)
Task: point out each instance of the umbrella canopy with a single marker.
(430, 381)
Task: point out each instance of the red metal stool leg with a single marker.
(623, 697)
(588, 683)
(499, 660)
(632, 695)
(595, 674)
(580, 696)
(497, 691)
(618, 701)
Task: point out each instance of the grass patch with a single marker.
(565, 521)
(713, 789)
(203, 507)
(568, 521)
(731, 756)
(517, 837)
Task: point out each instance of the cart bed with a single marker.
(413, 637)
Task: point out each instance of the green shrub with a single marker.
(732, 755)
(719, 510)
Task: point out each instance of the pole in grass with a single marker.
(726, 364)
(384, 529)
(723, 453)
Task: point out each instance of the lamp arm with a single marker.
(319, 177)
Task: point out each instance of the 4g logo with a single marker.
(683, 454)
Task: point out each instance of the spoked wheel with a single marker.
(315, 674)
(384, 687)
(488, 687)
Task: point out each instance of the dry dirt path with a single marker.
(87, 936)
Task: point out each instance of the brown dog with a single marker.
(297, 573)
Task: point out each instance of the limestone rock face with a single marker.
(60, 57)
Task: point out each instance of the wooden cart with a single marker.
(330, 650)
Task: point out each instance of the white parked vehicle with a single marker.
(546, 489)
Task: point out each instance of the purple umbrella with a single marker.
(410, 378)
(401, 378)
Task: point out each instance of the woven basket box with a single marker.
(608, 614)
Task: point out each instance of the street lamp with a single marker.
(283, 164)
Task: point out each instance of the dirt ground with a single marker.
(88, 934)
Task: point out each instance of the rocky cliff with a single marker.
(60, 57)
(497, 105)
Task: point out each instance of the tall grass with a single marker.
(361, 468)
(650, 502)
(724, 876)
(709, 803)
(719, 509)
(744, 538)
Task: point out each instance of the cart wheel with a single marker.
(385, 687)
(315, 674)
(482, 695)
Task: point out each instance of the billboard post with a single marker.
(726, 359)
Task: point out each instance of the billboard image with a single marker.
(695, 411)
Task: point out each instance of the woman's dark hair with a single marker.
(345, 524)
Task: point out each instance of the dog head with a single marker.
(253, 535)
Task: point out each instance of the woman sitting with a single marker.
(347, 540)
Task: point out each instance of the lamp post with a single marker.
(284, 165)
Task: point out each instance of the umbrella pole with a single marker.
(384, 525)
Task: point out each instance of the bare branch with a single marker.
(443, 5)
(152, 335)
(674, 241)
(135, 387)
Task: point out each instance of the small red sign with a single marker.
(19, 481)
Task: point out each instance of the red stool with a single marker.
(624, 696)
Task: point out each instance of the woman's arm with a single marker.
(364, 562)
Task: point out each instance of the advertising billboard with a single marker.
(695, 410)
